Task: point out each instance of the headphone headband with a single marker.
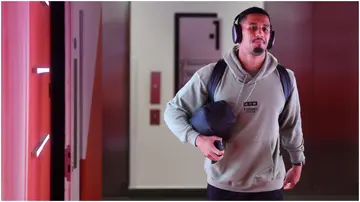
(236, 20)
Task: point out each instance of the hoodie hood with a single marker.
(240, 73)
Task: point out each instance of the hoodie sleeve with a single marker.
(178, 110)
(291, 128)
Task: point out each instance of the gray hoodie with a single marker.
(252, 160)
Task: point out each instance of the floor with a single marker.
(287, 198)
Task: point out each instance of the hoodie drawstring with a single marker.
(242, 105)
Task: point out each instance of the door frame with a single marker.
(57, 96)
(177, 18)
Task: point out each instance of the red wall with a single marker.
(319, 42)
(39, 101)
(335, 64)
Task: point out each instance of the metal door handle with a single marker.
(40, 146)
(217, 33)
(75, 113)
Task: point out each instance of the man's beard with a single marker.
(258, 51)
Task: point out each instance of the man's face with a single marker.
(256, 33)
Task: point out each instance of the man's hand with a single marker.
(292, 177)
(206, 146)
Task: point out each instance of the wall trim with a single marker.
(166, 193)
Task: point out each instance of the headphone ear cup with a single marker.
(239, 31)
(271, 40)
(236, 33)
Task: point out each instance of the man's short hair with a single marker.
(251, 10)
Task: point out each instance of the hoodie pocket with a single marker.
(244, 164)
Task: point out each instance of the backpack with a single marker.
(217, 118)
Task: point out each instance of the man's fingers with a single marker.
(217, 152)
(289, 185)
(286, 183)
(214, 157)
(286, 180)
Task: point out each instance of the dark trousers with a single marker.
(216, 194)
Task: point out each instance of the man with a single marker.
(251, 166)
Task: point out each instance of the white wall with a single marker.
(157, 158)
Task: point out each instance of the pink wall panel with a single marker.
(25, 101)
(15, 72)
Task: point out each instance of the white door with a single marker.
(83, 109)
(73, 102)
(199, 44)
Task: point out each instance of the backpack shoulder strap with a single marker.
(215, 78)
(286, 85)
(285, 80)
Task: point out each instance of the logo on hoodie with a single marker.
(251, 107)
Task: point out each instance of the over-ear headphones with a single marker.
(237, 32)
